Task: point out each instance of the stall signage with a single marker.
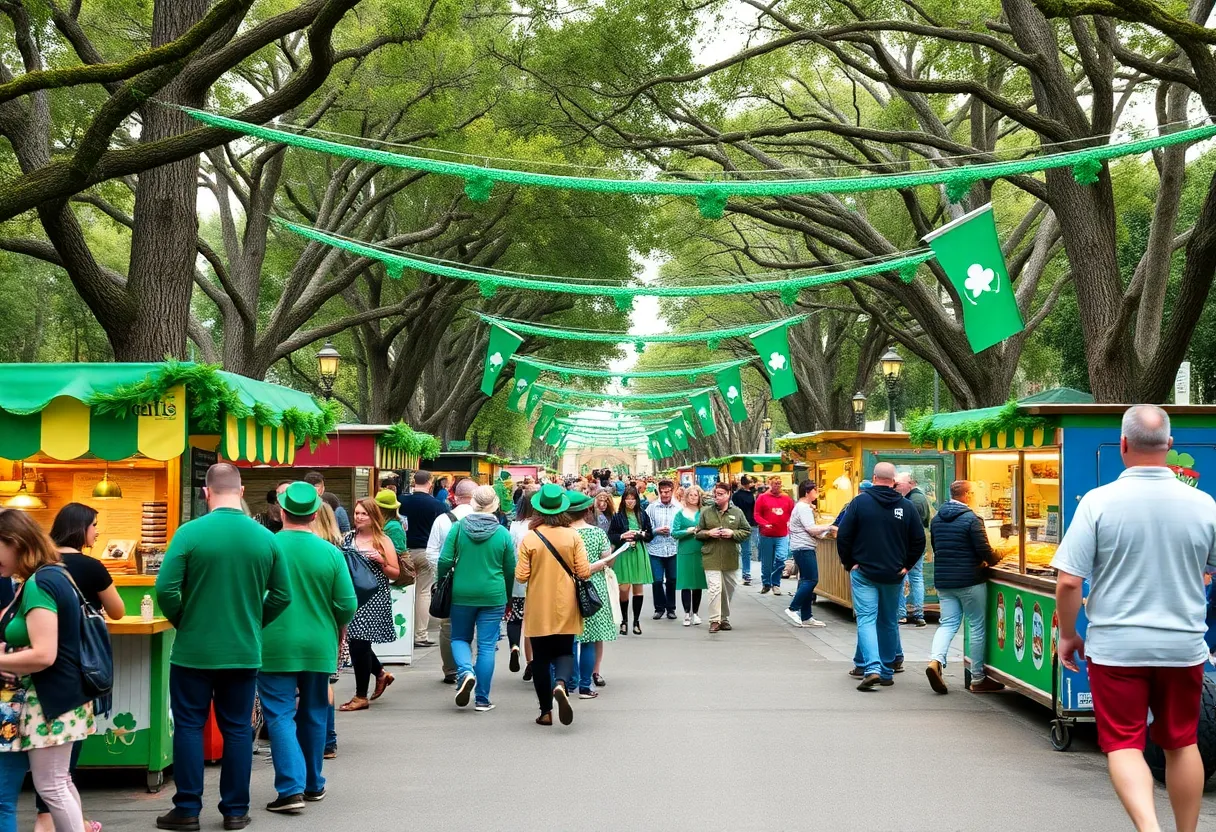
(162, 425)
(1021, 642)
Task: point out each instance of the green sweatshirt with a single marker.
(305, 636)
(222, 580)
(394, 532)
(486, 567)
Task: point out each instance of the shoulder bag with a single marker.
(589, 601)
(441, 595)
(361, 574)
(406, 573)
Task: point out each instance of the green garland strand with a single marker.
(904, 265)
(712, 337)
(712, 196)
(211, 398)
(568, 371)
(922, 431)
(718, 461)
(401, 437)
(495, 459)
(671, 411)
(608, 425)
(622, 397)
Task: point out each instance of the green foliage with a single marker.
(401, 437)
(925, 428)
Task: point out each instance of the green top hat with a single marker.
(504, 475)
(300, 499)
(551, 499)
(579, 501)
(386, 499)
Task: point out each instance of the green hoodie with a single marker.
(486, 564)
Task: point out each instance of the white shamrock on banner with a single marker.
(679, 434)
(979, 280)
(703, 413)
(776, 361)
(732, 393)
(521, 384)
(496, 362)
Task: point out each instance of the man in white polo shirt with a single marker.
(1144, 542)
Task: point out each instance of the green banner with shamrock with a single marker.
(525, 377)
(703, 407)
(503, 344)
(690, 421)
(679, 436)
(730, 384)
(548, 413)
(773, 345)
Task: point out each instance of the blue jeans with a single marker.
(485, 621)
(971, 601)
(915, 580)
(13, 766)
(877, 609)
(191, 694)
(331, 730)
(773, 551)
(750, 544)
(808, 579)
(664, 570)
(297, 732)
(583, 666)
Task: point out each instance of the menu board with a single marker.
(118, 521)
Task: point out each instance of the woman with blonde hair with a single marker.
(43, 623)
(325, 525)
(690, 571)
(373, 621)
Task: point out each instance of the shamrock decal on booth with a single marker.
(980, 280)
(1183, 467)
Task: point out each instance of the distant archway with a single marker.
(621, 460)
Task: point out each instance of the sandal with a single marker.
(382, 682)
(598, 679)
(545, 719)
(637, 629)
(357, 703)
(92, 826)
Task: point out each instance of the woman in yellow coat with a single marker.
(551, 615)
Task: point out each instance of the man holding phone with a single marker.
(721, 528)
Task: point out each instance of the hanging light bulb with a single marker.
(107, 489)
(23, 500)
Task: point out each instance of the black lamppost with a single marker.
(767, 424)
(859, 410)
(328, 360)
(891, 364)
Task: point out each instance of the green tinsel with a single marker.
(712, 196)
(401, 437)
(621, 397)
(619, 337)
(922, 431)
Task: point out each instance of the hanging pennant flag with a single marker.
(656, 450)
(533, 397)
(679, 436)
(555, 435)
(548, 413)
(525, 377)
(690, 421)
(970, 254)
(730, 384)
(773, 344)
(703, 406)
(665, 442)
(503, 344)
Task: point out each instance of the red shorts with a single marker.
(1124, 695)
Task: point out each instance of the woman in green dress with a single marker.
(631, 525)
(600, 627)
(690, 573)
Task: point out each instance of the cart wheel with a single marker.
(156, 780)
(1155, 757)
(1061, 735)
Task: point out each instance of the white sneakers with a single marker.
(814, 622)
(793, 616)
(687, 619)
(798, 622)
(696, 619)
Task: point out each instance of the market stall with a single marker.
(1030, 463)
(705, 475)
(520, 470)
(686, 475)
(759, 466)
(838, 460)
(454, 465)
(134, 441)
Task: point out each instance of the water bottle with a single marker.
(145, 609)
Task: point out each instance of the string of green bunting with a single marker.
(621, 397)
(489, 282)
(712, 196)
(567, 371)
(567, 406)
(712, 337)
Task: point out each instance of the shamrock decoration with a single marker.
(979, 280)
(679, 434)
(702, 412)
(478, 187)
(399, 620)
(521, 385)
(777, 362)
(487, 289)
(732, 392)
(1181, 465)
(496, 362)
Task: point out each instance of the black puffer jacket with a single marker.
(960, 547)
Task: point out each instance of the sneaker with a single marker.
(725, 625)
(687, 620)
(514, 660)
(671, 615)
(886, 683)
(657, 615)
(587, 693)
(934, 672)
(565, 714)
(331, 753)
(528, 672)
(795, 617)
(449, 678)
(869, 682)
(898, 667)
(286, 803)
(903, 621)
(598, 679)
(465, 691)
(776, 590)
(173, 820)
(857, 673)
(696, 619)
(425, 643)
(482, 707)
(314, 797)
(814, 622)
(920, 622)
(747, 580)
(765, 589)
(236, 821)
(714, 627)
(986, 686)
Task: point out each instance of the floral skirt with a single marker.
(39, 732)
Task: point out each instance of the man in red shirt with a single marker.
(773, 511)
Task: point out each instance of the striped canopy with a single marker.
(244, 440)
(394, 459)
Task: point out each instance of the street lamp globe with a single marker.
(891, 363)
(328, 360)
(767, 424)
(859, 402)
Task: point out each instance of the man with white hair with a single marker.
(462, 494)
(1143, 541)
(914, 582)
(879, 539)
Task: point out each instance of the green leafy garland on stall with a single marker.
(495, 459)
(401, 437)
(718, 461)
(923, 431)
(211, 398)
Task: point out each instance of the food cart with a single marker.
(758, 466)
(1030, 462)
(838, 460)
(455, 465)
(134, 441)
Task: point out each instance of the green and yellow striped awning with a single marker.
(394, 459)
(66, 428)
(1001, 440)
(244, 440)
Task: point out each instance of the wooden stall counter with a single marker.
(133, 625)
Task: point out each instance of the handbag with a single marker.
(585, 593)
(441, 594)
(96, 655)
(361, 574)
(406, 574)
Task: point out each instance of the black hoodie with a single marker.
(882, 534)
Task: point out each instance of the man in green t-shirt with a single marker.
(222, 580)
(300, 651)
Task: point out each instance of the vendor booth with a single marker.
(520, 470)
(455, 465)
(757, 466)
(134, 441)
(686, 475)
(706, 475)
(838, 460)
(1030, 463)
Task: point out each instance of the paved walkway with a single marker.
(755, 729)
